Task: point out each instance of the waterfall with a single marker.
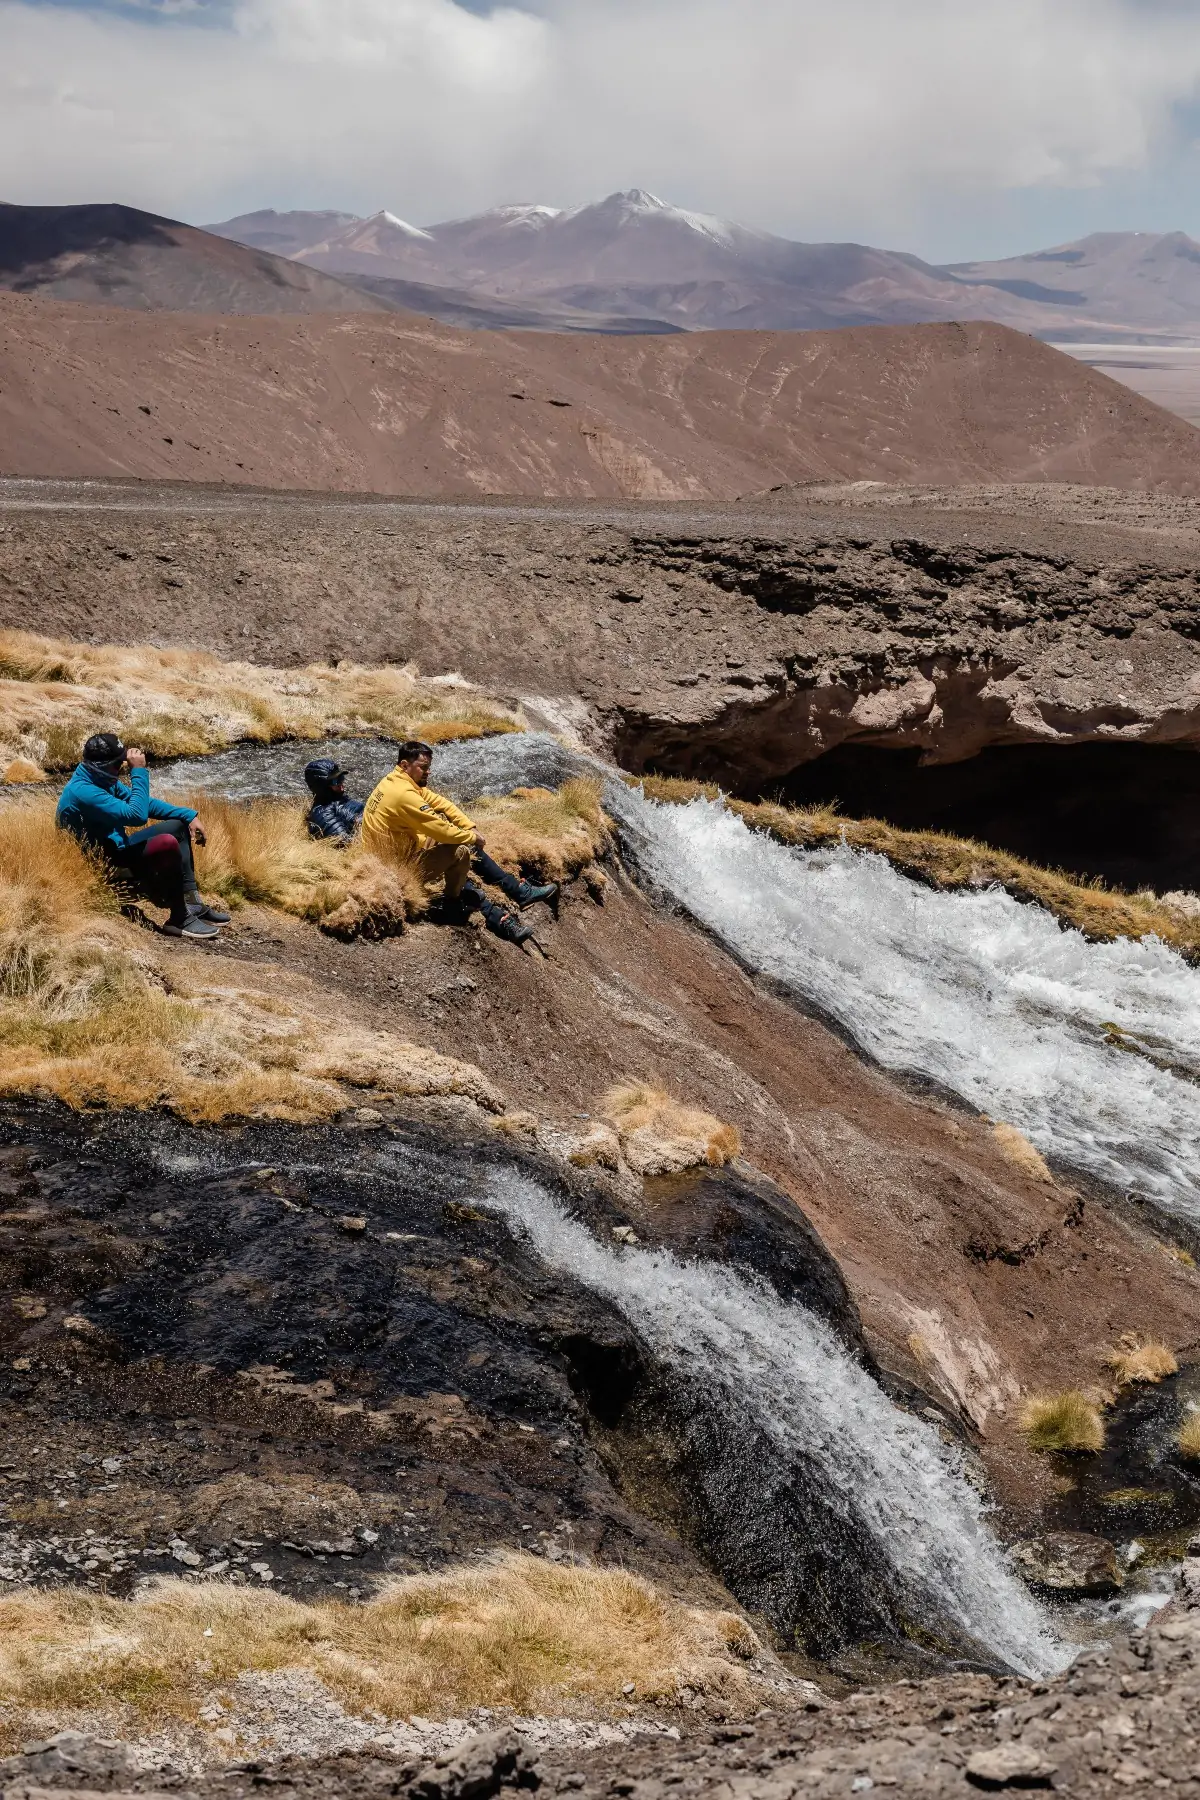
(991, 999)
(754, 1357)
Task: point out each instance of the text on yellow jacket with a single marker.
(402, 816)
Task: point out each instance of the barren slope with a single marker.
(118, 256)
(399, 405)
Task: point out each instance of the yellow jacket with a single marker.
(402, 816)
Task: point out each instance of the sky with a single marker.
(956, 129)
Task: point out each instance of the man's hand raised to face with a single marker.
(135, 758)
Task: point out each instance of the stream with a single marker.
(985, 996)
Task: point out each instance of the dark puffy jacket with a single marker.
(334, 817)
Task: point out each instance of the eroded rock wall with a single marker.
(736, 644)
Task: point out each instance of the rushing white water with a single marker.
(988, 997)
(779, 1365)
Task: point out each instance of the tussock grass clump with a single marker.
(53, 694)
(262, 853)
(1100, 913)
(661, 1136)
(517, 1633)
(1067, 1421)
(94, 1012)
(1016, 1148)
(1187, 1440)
(548, 834)
(1134, 1361)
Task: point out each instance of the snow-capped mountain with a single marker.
(635, 256)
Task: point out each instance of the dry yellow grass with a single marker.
(1068, 1421)
(517, 1633)
(942, 861)
(1134, 1361)
(548, 834)
(53, 694)
(262, 853)
(1188, 1438)
(1016, 1148)
(661, 1136)
(94, 1011)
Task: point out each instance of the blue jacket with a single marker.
(336, 817)
(98, 808)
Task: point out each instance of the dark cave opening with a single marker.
(1129, 813)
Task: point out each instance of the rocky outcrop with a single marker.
(736, 644)
(400, 1382)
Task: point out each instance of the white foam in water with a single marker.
(986, 996)
(783, 1367)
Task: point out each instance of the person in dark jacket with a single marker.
(333, 814)
(148, 841)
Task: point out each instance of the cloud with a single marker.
(796, 114)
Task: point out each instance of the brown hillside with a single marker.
(119, 256)
(393, 404)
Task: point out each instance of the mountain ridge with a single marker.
(634, 253)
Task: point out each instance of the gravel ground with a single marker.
(1122, 1718)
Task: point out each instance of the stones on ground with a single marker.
(1014, 1765)
(352, 1222)
(67, 1753)
(478, 1768)
(1070, 1562)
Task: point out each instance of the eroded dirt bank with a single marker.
(738, 644)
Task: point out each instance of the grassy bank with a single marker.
(548, 834)
(941, 861)
(518, 1633)
(54, 694)
(94, 1011)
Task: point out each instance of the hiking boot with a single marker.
(508, 926)
(192, 927)
(529, 893)
(200, 909)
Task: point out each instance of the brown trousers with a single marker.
(453, 861)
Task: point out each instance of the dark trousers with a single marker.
(495, 876)
(157, 862)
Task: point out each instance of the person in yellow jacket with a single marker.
(404, 817)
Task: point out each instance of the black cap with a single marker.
(323, 772)
(104, 747)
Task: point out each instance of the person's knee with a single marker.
(165, 846)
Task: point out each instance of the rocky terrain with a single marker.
(416, 1336)
(746, 644)
(1120, 1720)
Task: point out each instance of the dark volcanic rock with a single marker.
(205, 1372)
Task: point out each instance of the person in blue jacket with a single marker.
(333, 814)
(148, 841)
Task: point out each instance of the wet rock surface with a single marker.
(207, 1375)
(1070, 1562)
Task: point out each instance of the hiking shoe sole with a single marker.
(194, 927)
